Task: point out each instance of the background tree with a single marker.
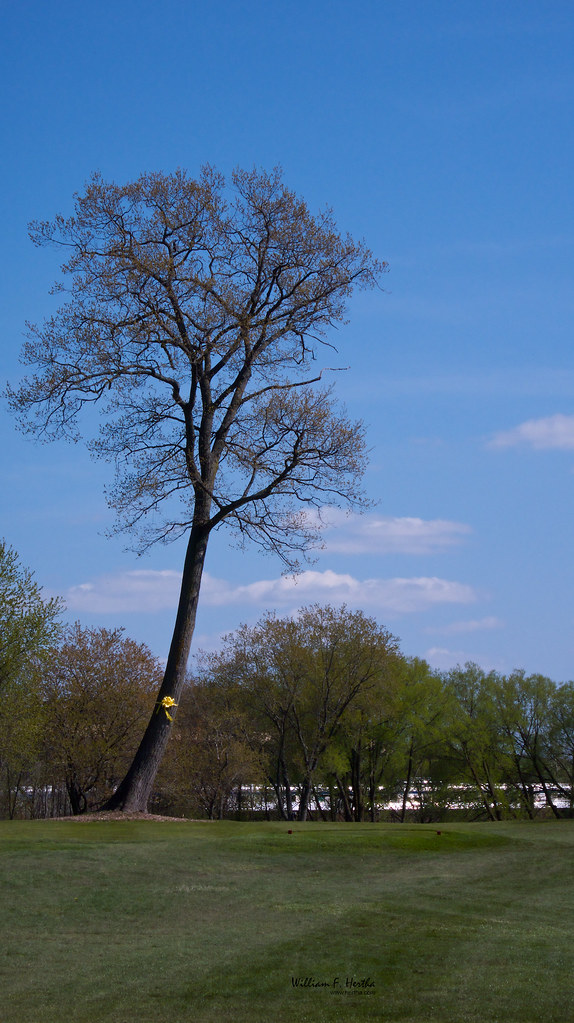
(524, 708)
(559, 751)
(304, 676)
(422, 713)
(29, 623)
(99, 687)
(363, 756)
(29, 627)
(192, 317)
(477, 740)
(215, 753)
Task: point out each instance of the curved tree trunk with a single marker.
(134, 791)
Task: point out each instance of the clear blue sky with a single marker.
(442, 133)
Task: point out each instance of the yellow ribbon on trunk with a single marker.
(168, 701)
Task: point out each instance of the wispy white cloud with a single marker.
(399, 595)
(474, 625)
(152, 591)
(551, 432)
(444, 659)
(379, 534)
(144, 590)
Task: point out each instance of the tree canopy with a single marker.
(98, 687)
(303, 678)
(29, 622)
(192, 317)
(29, 628)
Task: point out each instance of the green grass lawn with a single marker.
(150, 922)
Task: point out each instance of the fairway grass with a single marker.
(222, 922)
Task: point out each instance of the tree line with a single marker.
(315, 716)
(323, 716)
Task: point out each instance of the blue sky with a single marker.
(442, 133)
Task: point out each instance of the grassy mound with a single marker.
(155, 922)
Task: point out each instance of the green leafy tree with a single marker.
(362, 761)
(477, 740)
(29, 627)
(524, 704)
(304, 675)
(29, 623)
(422, 716)
(192, 316)
(559, 752)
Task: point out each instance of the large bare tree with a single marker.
(193, 313)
